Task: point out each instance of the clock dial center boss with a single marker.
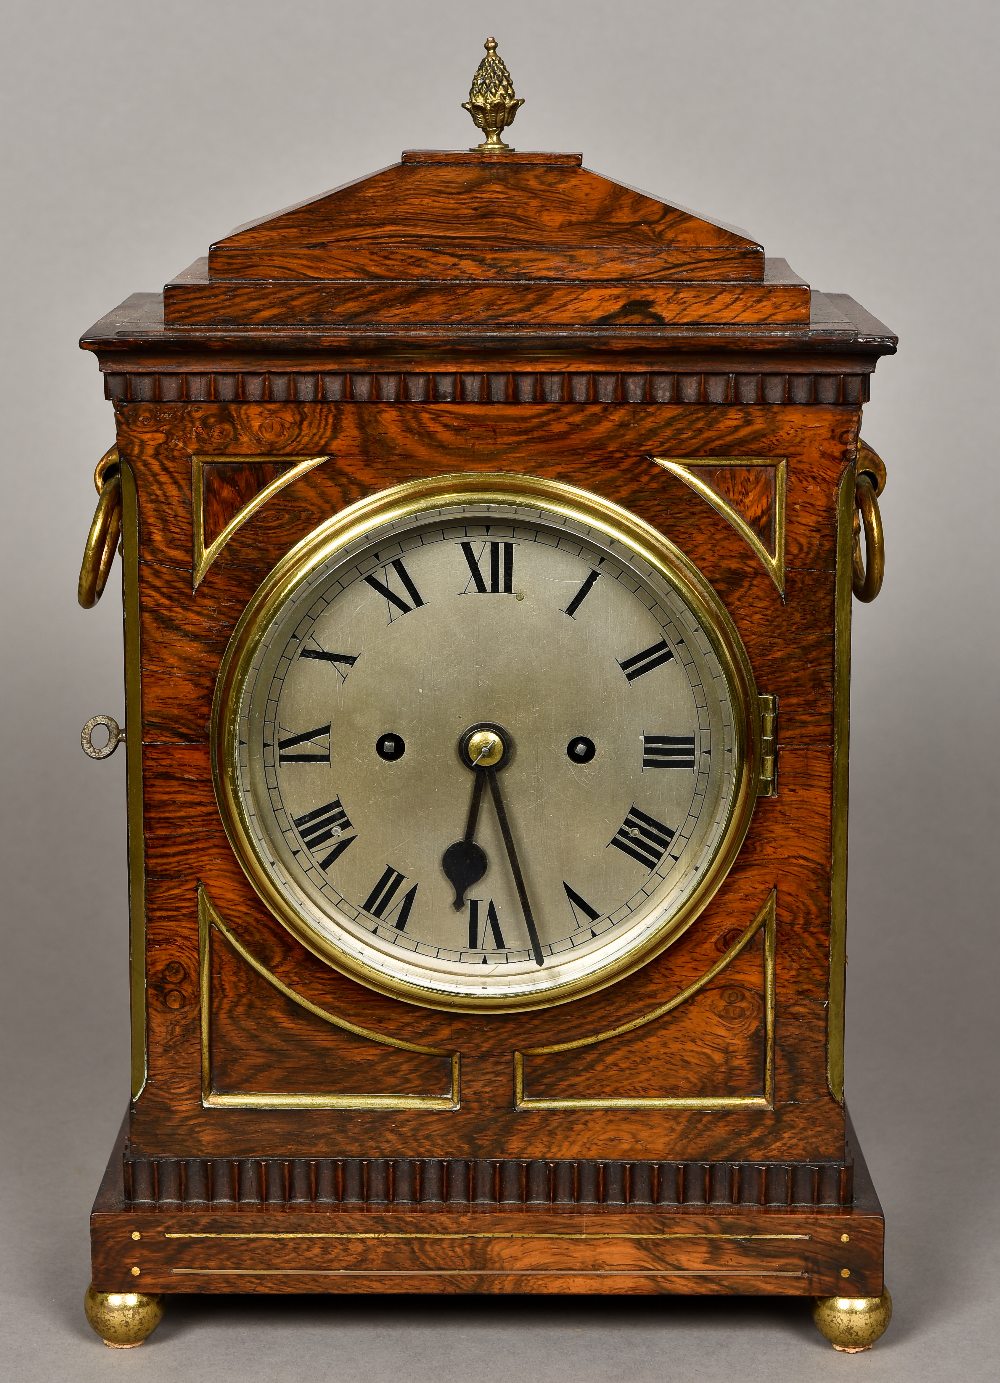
(485, 742)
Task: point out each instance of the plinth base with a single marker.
(831, 1253)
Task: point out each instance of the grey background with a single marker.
(856, 138)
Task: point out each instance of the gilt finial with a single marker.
(492, 102)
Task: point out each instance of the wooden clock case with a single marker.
(683, 1130)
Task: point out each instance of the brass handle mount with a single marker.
(868, 568)
(105, 531)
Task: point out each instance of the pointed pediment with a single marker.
(456, 216)
(466, 239)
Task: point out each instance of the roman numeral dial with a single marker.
(474, 802)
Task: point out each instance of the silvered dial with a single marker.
(484, 753)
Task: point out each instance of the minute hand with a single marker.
(515, 868)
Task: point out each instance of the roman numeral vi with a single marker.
(479, 926)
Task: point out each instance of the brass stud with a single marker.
(136, 1271)
(844, 1272)
(845, 1238)
(136, 1234)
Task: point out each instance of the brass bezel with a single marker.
(410, 500)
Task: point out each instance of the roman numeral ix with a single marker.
(343, 662)
(383, 903)
(403, 603)
(323, 825)
(643, 837)
(309, 747)
(668, 751)
(641, 663)
(501, 568)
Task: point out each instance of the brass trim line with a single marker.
(477, 1234)
(133, 779)
(205, 555)
(766, 920)
(684, 468)
(209, 919)
(841, 753)
(569, 1270)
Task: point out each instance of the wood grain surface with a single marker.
(715, 1044)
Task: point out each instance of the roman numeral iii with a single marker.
(641, 663)
(668, 751)
(643, 837)
(500, 580)
(404, 603)
(383, 903)
(309, 747)
(323, 826)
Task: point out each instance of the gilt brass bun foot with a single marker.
(122, 1319)
(853, 1324)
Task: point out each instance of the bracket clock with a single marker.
(489, 533)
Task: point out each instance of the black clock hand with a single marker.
(465, 862)
(515, 868)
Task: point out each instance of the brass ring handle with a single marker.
(105, 531)
(868, 570)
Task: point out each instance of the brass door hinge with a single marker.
(768, 783)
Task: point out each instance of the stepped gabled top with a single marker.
(476, 239)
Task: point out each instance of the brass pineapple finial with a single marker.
(492, 102)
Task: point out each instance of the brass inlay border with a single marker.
(841, 749)
(205, 554)
(476, 1234)
(209, 919)
(766, 920)
(684, 467)
(133, 779)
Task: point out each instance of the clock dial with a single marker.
(490, 752)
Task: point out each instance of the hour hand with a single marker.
(465, 862)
